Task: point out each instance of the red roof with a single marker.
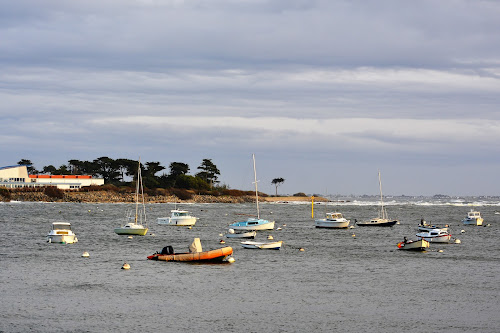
(61, 176)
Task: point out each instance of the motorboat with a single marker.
(383, 219)
(61, 233)
(134, 226)
(245, 234)
(412, 245)
(424, 226)
(195, 254)
(262, 245)
(254, 223)
(435, 236)
(473, 218)
(178, 217)
(332, 220)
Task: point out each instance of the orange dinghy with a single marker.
(195, 254)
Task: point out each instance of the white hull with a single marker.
(437, 239)
(65, 239)
(179, 222)
(261, 245)
(263, 226)
(249, 234)
(323, 223)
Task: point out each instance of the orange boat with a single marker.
(195, 254)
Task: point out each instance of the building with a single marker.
(17, 177)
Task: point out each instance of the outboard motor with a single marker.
(167, 250)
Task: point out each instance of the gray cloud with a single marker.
(410, 87)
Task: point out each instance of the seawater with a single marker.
(353, 280)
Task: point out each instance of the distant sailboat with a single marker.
(136, 228)
(382, 220)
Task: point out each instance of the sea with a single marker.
(350, 280)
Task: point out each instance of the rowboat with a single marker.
(248, 234)
(418, 245)
(262, 245)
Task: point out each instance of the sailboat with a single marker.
(382, 220)
(253, 223)
(136, 228)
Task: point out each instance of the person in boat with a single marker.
(405, 240)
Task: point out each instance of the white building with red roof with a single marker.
(17, 176)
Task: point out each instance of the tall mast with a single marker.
(255, 182)
(382, 210)
(137, 191)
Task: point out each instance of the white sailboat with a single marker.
(136, 227)
(253, 223)
(382, 220)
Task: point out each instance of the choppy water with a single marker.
(339, 283)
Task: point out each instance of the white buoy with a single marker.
(222, 241)
(190, 227)
(353, 235)
(130, 237)
(85, 254)
(457, 241)
(230, 260)
(462, 231)
(301, 249)
(278, 228)
(270, 237)
(440, 251)
(126, 266)
(231, 231)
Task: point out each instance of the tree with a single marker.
(50, 169)
(178, 168)
(209, 171)
(277, 182)
(107, 168)
(29, 166)
(149, 178)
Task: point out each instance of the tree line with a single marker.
(115, 171)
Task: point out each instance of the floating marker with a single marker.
(270, 237)
(85, 254)
(130, 237)
(126, 266)
(457, 241)
(301, 249)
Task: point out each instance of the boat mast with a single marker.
(382, 210)
(137, 190)
(255, 182)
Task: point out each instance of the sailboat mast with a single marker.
(256, 191)
(382, 210)
(137, 191)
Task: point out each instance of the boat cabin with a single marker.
(61, 227)
(334, 216)
(474, 215)
(178, 213)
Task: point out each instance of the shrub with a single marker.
(182, 194)
(5, 194)
(54, 192)
(300, 194)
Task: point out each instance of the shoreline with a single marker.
(114, 197)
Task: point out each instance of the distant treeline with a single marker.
(115, 171)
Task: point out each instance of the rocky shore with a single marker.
(115, 197)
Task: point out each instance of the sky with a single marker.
(325, 93)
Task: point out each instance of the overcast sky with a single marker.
(324, 92)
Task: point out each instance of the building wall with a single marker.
(17, 177)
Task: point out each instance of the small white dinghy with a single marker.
(262, 245)
(248, 234)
